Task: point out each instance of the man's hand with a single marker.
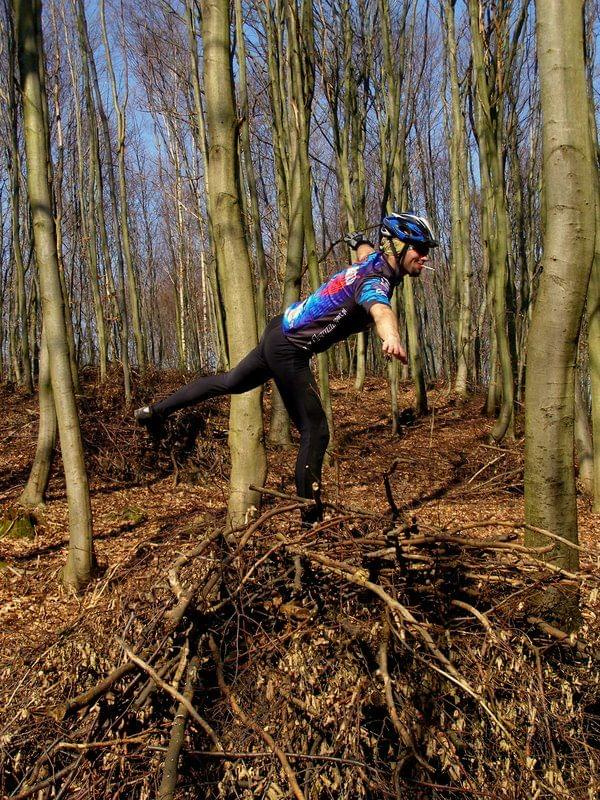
(392, 348)
(386, 324)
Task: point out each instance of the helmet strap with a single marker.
(389, 247)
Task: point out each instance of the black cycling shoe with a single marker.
(150, 419)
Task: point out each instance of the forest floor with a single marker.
(150, 506)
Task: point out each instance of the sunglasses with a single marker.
(421, 249)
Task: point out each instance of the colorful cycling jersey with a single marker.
(340, 306)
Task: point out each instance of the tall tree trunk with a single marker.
(261, 263)
(25, 376)
(199, 132)
(58, 204)
(132, 282)
(459, 182)
(593, 309)
(302, 60)
(90, 207)
(115, 291)
(80, 560)
(488, 120)
(248, 461)
(567, 261)
(287, 182)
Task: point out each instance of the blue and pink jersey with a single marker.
(340, 306)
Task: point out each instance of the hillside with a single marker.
(393, 651)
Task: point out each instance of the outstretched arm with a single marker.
(386, 324)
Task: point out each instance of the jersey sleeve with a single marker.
(373, 289)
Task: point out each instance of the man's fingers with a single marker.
(394, 350)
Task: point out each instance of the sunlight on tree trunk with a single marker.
(567, 260)
(248, 460)
(80, 561)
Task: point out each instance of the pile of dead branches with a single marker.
(361, 658)
(118, 450)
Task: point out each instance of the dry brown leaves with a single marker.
(305, 647)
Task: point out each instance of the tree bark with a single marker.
(248, 461)
(80, 560)
(132, 282)
(593, 310)
(487, 69)
(459, 211)
(33, 494)
(24, 374)
(567, 260)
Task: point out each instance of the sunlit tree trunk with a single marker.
(459, 182)
(120, 112)
(487, 69)
(80, 559)
(287, 184)
(199, 133)
(248, 168)
(24, 364)
(58, 202)
(568, 255)
(302, 61)
(248, 462)
(593, 310)
(343, 75)
(583, 440)
(88, 210)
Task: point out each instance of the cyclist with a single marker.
(348, 302)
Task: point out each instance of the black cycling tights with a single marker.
(288, 365)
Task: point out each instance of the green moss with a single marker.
(17, 524)
(134, 514)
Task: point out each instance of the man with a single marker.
(347, 303)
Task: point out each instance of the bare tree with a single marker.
(248, 461)
(80, 559)
(568, 253)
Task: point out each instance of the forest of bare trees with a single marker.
(344, 110)
(175, 173)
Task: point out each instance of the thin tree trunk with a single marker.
(488, 122)
(248, 461)
(461, 251)
(80, 560)
(24, 374)
(289, 199)
(117, 292)
(90, 207)
(302, 66)
(593, 311)
(132, 282)
(583, 440)
(199, 132)
(261, 263)
(34, 492)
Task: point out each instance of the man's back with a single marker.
(340, 306)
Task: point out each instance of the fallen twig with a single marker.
(174, 693)
(166, 789)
